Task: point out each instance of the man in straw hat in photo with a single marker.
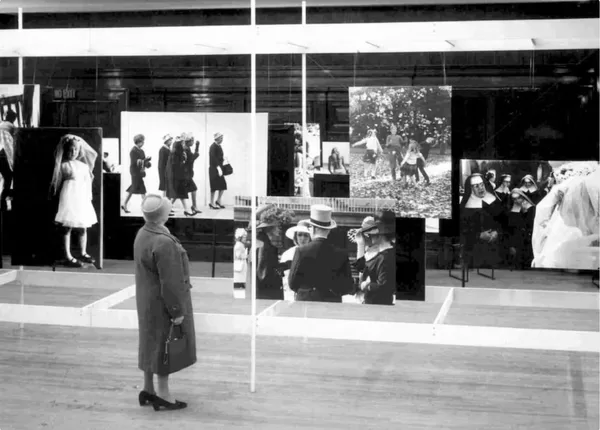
(320, 272)
(164, 304)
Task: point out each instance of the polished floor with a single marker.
(66, 377)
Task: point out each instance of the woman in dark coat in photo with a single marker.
(269, 272)
(218, 184)
(481, 220)
(519, 230)
(530, 188)
(177, 188)
(162, 284)
(191, 157)
(163, 161)
(377, 283)
(503, 190)
(137, 169)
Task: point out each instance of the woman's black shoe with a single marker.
(220, 205)
(145, 398)
(87, 259)
(196, 211)
(212, 206)
(157, 403)
(188, 214)
(124, 210)
(73, 263)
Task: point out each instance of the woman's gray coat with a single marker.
(162, 285)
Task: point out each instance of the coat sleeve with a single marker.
(346, 282)
(383, 277)
(295, 275)
(173, 285)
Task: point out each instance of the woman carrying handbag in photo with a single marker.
(167, 338)
(216, 173)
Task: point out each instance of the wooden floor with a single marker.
(72, 378)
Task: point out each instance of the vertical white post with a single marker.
(254, 199)
(304, 125)
(20, 57)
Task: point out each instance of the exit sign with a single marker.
(65, 94)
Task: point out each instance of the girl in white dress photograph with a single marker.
(72, 178)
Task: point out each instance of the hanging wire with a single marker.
(444, 66)
(355, 61)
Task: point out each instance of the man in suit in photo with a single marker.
(320, 272)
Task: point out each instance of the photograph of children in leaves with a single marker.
(400, 148)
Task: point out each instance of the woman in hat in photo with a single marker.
(177, 188)
(163, 161)
(72, 177)
(376, 259)
(240, 259)
(137, 169)
(164, 304)
(191, 157)
(269, 271)
(299, 235)
(218, 184)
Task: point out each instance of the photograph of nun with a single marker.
(58, 188)
(540, 214)
(198, 161)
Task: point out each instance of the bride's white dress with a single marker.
(75, 208)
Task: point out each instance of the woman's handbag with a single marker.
(175, 357)
(227, 169)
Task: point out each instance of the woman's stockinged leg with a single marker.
(149, 382)
(163, 388)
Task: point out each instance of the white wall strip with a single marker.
(441, 316)
(8, 277)
(114, 299)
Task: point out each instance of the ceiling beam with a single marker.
(298, 39)
(90, 6)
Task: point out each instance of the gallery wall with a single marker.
(483, 111)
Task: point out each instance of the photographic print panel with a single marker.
(400, 148)
(56, 221)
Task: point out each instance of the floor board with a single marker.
(521, 317)
(54, 296)
(88, 378)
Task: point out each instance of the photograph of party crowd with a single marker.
(317, 251)
(523, 214)
(197, 160)
(400, 148)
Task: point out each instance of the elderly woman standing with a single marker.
(163, 303)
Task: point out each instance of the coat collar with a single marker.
(157, 229)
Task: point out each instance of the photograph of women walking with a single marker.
(58, 189)
(400, 138)
(537, 214)
(318, 249)
(198, 161)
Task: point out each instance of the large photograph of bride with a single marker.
(200, 161)
(524, 214)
